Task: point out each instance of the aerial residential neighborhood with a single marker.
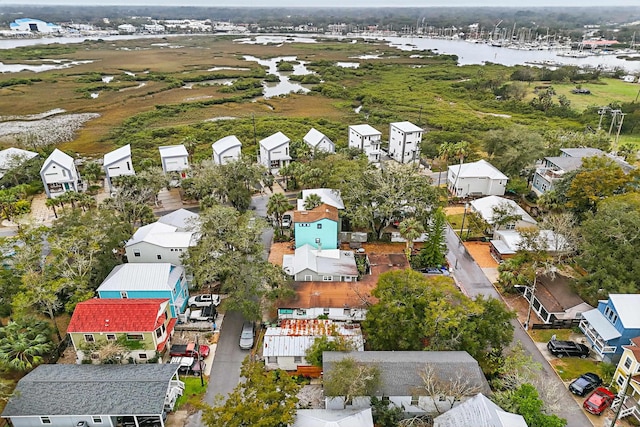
(400, 239)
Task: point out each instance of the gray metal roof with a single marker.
(399, 369)
(478, 412)
(51, 390)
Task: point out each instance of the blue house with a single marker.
(317, 227)
(148, 280)
(612, 325)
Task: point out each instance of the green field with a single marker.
(605, 92)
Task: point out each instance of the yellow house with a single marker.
(629, 367)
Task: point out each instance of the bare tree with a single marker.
(447, 390)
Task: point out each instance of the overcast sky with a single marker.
(334, 3)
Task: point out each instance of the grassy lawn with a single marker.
(570, 368)
(193, 392)
(544, 335)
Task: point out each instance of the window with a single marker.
(347, 312)
(136, 252)
(272, 359)
(385, 398)
(159, 256)
(111, 337)
(620, 380)
(142, 356)
(135, 337)
(308, 278)
(414, 400)
(96, 419)
(325, 311)
(627, 362)
(297, 359)
(45, 420)
(327, 278)
(123, 294)
(275, 163)
(158, 332)
(301, 312)
(611, 315)
(319, 226)
(89, 338)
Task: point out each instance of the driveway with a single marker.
(473, 281)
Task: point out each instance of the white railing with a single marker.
(599, 344)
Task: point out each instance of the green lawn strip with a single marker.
(570, 368)
(193, 392)
(544, 335)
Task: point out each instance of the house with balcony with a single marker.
(59, 174)
(274, 152)
(628, 369)
(60, 395)
(309, 264)
(318, 141)
(317, 227)
(226, 150)
(366, 139)
(146, 324)
(118, 163)
(474, 179)
(612, 325)
(404, 142)
(174, 158)
(148, 280)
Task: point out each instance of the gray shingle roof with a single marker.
(399, 369)
(51, 390)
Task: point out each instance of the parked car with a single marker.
(204, 314)
(585, 384)
(190, 349)
(567, 348)
(599, 400)
(286, 220)
(204, 300)
(247, 335)
(189, 365)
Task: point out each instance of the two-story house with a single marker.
(118, 163)
(226, 150)
(145, 280)
(404, 142)
(317, 227)
(174, 158)
(366, 139)
(612, 325)
(274, 152)
(146, 324)
(479, 178)
(628, 369)
(318, 141)
(59, 174)
(308, 264)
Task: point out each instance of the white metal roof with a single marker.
(222, 145)
(182, 219)
(329, 196)
(365, 130)
(274, 141)
(173, 151)
(118, 154)
(62, 159)
(407, 127)
(142, 277)
(10, 154)
(627, 306)
(479, 169)
(478, 412)
(313, 137)
(601, 324)
(334, 418)
(484, 206)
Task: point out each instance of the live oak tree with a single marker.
(513, 149)
(348, 379)
(336, 342)
(262, 399)
(526, 401)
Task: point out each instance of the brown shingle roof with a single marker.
(316, 214)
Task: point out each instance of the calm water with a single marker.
(285, 85)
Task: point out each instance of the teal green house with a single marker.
(317, 227)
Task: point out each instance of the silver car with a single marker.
(247, 336)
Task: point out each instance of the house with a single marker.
(226, 150)
(94, 395)
(366, 139)
(317, 227)
(552, 169)
(174, 158)
(165, 240)
(489, 208)
(401, 382)
(59, 174)
(13, 157)
(145, 280)
(404, 142)
(274, 152)
(333, 418)
(328, 196)
(118, 163)
(318, 141)
(554, 300)
(147, 322)
(479, 178)
(479, 411)
(327, 265)
(506, 243)
(612, 325)
(629, 369)
(285, 346)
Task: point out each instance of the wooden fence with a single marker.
(557, 324)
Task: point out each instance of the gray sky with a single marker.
(335, 3)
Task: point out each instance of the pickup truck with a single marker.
(188, 365)
(204, 300)
(189, 350)
(204, 314)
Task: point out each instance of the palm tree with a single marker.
(92, 172)
(444, 151)
(410, 229)
(52, 203)
(277, 205)
(24, 344)
(461, 149)
(312, 201)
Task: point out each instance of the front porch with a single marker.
(598, 343)
(630, 407)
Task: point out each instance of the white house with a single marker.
(366, 139)
(333, 418)
(118, 163)
(34, 25)
(479, 411)
(491, 208)
(327, 196)
(127, 29)
(284, 347)
(506, 243)
(328, 265)
(175, 158)
(404, 142)
(59, 174)
(319, 141)
(12, 158)
(227, 149)
(479, 178)
(274, 152)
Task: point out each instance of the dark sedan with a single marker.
(585, 384)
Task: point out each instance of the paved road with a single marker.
(473, 282)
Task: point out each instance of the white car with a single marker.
(286, 221)
(204, 300)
